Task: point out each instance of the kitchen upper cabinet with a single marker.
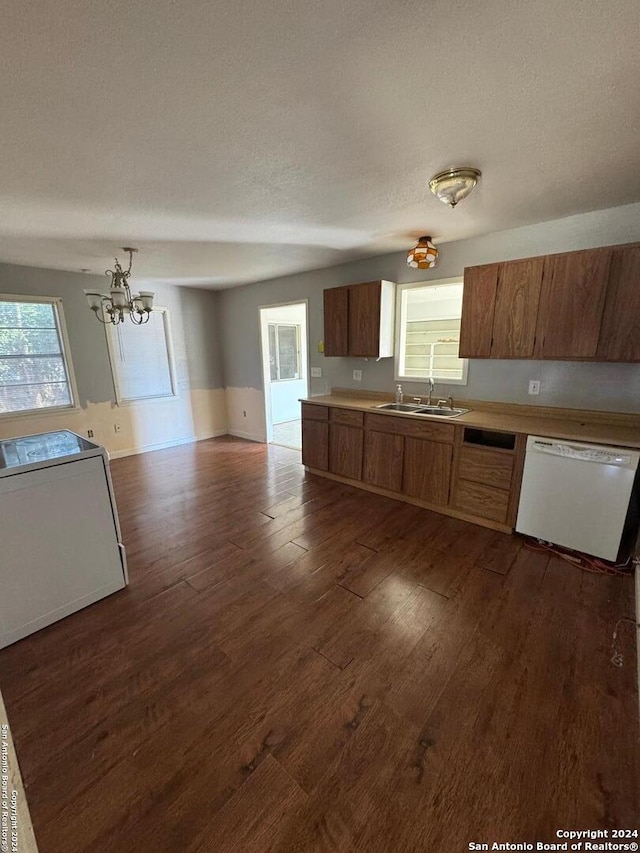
(359, 320)
(571, 304)
(516, 309)
(336, 321)
(500, 308)
(427, 470)
(620, 330)
(575, 305)
(478, 307)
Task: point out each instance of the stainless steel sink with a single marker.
(399, 407)
(411, 409)
(442, 412)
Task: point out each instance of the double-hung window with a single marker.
(35, 368)
(428, 333)
(142, 358)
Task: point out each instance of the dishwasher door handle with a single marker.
(595, 455)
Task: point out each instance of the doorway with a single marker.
(285, 369)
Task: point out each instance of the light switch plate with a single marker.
(534, 386)
(357, 376)
(316, 372)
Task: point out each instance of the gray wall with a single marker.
(194, 321)
(614, 387)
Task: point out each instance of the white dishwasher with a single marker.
(577, 495)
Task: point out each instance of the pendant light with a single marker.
(423, 255)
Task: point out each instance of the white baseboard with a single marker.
(148, 448)
(238, 433)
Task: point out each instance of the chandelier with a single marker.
(423, 255)
(111, 307)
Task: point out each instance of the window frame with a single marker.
(298, 329)
(65, 347)
(401, 333)
(112, 342)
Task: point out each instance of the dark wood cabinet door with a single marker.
(383, 454)
(478, 305)
(427, 470)
(516, 311)
(364, 319)
(571, 304)
(336, 321)
(345, 451)
(315, 444)
(620, 332)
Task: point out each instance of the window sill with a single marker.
(420, 380)
(57, 411)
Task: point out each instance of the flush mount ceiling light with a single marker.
(423, 255)
(452, 185)
(111, 307)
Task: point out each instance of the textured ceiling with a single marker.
(233, 142)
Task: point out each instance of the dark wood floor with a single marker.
(301, 666)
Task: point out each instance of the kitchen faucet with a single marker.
(431, 384)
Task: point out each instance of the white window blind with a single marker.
(34, 367)
(141, 358)
(429, 333)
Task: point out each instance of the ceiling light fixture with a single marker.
(111, 307)
(423, 255)
(452, 185)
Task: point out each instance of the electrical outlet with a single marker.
(116, 427)
(316, 372)
(534, 386)
(89, 433)
(357, 376)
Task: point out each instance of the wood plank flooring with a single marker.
(301, 666)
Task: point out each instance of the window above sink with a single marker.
(428, 332)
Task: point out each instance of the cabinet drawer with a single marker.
(407, 426)
(486, 466)
(315, 413)
(347, 417)
(484, 501)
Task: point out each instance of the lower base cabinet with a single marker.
(383, 459)
(466, 471)
(345, 451)
(427, 470)
(315, 444)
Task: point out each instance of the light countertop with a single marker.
(571, 425)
